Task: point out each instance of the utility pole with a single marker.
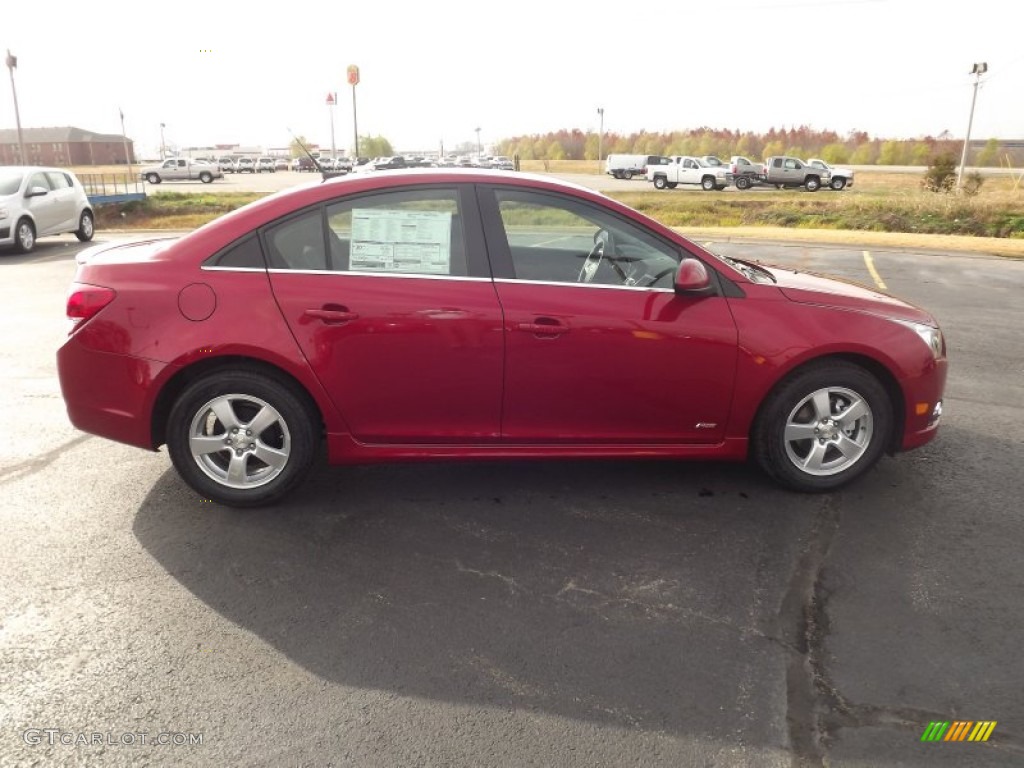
(979, 69)
(352, 75)
(332, 99)
(12, 64)
(600, 138)
(479, 148)
(163, 144)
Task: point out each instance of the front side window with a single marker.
(558, 239)
(38, 180)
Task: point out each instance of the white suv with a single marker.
(36, 201)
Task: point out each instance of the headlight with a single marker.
(929, 335)
(3, 213)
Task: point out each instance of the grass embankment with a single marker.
(171, 210)
(879, 202)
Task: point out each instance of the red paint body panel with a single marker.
(421, 361)
(625, 365)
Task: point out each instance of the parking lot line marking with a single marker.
(549, 242)
(874, 272)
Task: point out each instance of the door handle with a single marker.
(331, 316)
(544, 326)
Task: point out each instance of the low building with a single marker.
(63, 147)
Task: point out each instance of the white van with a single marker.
(628, 166)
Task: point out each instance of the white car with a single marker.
(840, 177)
(36, 202)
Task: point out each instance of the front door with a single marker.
(600, 348)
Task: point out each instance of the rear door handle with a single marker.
(331, 316)
(544, 326)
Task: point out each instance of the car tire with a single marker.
(707, 183)
(742, 182)
(24, 235)
(810, 451)
(86, 227)
(838, 184)
(660, 182)
(153, 178)
(672, 184)
(627, 175)
(251, 469)
(812, 183)
(206, 177)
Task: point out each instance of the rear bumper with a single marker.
(107, 394)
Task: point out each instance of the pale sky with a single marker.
(224, 72)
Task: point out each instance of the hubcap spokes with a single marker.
(239, 441)
(828, 431)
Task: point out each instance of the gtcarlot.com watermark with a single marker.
(54, 736)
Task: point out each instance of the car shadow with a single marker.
(640, 594)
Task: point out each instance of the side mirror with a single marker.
(692, 279)
(36, 191)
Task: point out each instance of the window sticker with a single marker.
(401, 241)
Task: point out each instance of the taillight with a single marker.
(84, 301)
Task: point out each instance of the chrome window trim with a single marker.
(586, 285)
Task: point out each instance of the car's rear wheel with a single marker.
(822, 427)
(742, 182)
(838, 183)
(206, 177)
(153, 178)
(627, 175)
(25, 236)
(241, 438)
(86, 227)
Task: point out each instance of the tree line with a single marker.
(855, 148)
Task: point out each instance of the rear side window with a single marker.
(415, 231)
(58, 180)
(244, 255)
(298, 243)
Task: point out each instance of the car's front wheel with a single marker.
(707, 183)
(838, 183)
(86, 227)
(206, 177)
(153, 178)
(660, 182)
(823, 426)
(242, 438)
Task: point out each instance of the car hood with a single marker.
(809, 288)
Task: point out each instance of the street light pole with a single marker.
(479, 148)
(163, 144)
(600, 138)
(979, 69)
(12, 64)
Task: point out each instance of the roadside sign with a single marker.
(353, 75)
(331, 99)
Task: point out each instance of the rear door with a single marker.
(45, 209)
(65, 200)
(390, 299)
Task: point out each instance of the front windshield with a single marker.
(10, 183)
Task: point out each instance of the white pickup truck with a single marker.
(683, 169)
(840, 177)
(181, 169)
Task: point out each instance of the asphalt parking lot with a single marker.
(519, 614)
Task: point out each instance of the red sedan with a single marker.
(480, 315)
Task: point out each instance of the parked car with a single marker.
(265, 165)
(839, 177)
(226, 164)
(502, 163)
(745, 172)
(250, 342)
(181, 169)
(37, 201)
(712, 161)
(786, 172)
(343, 164)
(245, 165)
(682, 169)
(628, 166)
(281, 164)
